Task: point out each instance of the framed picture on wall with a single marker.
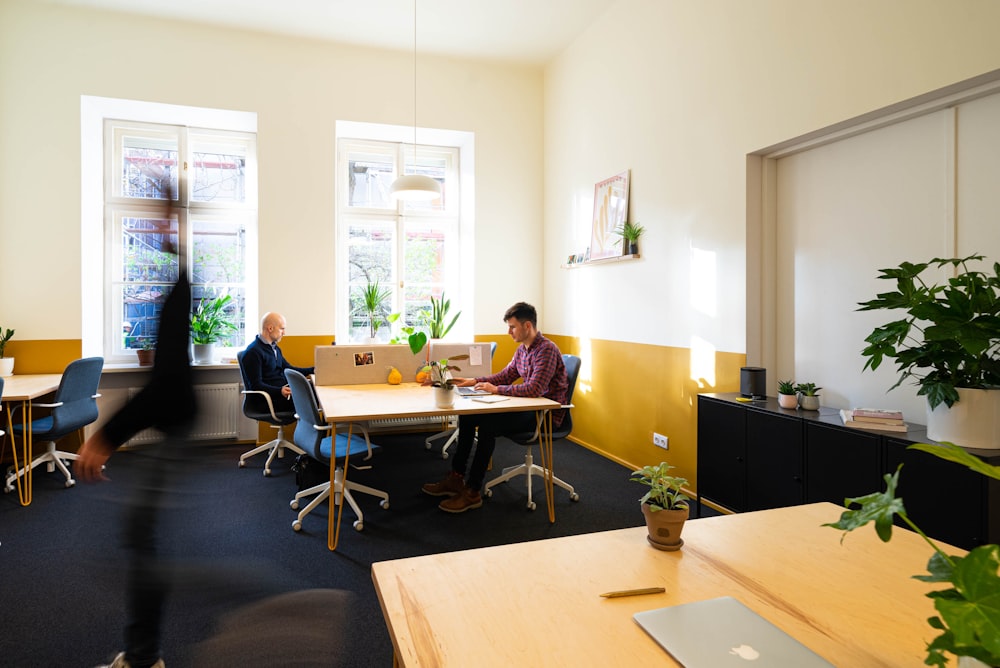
(610, 210)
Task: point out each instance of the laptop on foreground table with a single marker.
(723, 632)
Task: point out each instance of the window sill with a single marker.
(603, 260)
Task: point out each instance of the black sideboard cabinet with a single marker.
(756, 455)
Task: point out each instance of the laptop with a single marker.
(723, 632)
(470, 391)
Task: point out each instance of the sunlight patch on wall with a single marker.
(702, 363)
(583, 381)
(704, 279)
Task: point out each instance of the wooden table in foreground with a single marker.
(357, 403)
(24, 389)
(538, 603)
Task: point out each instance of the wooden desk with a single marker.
(538, 602)
(357, 403)
(25, 388)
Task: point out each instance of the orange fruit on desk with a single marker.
(423, 376)
(395, 378)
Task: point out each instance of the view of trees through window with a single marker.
(205, 233)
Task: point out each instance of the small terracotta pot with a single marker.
(665, 526)
(145, 357)
(788, 401)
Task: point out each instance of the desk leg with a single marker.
(23, 489)
(333, 525)
(545, 445)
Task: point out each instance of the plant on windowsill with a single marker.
(948, 343)
(439, 313)
(787, 397)
(968, 614)
(808, 395)
(146, 350)
(372, 304)
(209, 323)
(665, 506)
(6, 363)
(630, 234)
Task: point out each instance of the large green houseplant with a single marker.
(664, 505)
(949, 335)
(968, 613)
(209, 324)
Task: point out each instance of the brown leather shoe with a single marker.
(467, 499)
(450, 486)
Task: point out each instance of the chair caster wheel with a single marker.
(384, 504)
(70, 483)
(574, 497)
(531, 505)
(427, 445)
(359, 525)
(444, 455)
(294, 505)
(267, 472)
(488, 493)
(297, 525)
(242, 464)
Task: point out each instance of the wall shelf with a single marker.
(603, 260)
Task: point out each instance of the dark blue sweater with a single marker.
(265, 368)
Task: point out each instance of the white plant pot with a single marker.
(203, 353)
(444, 397)
(973, 422)
(6, 366)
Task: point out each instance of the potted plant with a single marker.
(209, 323)
(630, 233)
(967, 613)
(436, 321)
(664, 506)
(787, 397)
(6, 363)
(372, 305)
(146, 350)
(947, 342)
(808, 395)
(442, 381)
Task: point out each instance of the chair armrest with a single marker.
(267, 398)
(55, 405)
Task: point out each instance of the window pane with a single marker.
(424, 265)
(149, 268)
(370, 176)
(370, 257)
(219, 252)
(149, 167)
(235, 311)
(219, 172)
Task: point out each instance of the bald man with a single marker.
(263, 362)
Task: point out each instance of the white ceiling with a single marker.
(524, 31)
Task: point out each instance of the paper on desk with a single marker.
(475, 355)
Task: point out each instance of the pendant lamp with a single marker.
(415, 186)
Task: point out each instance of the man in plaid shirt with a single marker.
(539, 364)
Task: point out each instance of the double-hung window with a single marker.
(176, 198)
(410, 249)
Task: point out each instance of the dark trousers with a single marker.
(483, 429)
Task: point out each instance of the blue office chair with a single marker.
(529, 468)
(257, 405)
(74, 407)
(452, 433)
(313, 435)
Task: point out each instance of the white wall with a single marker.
(50, 56)
(680, 92)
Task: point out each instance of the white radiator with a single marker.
(218, 414)
(428, 423)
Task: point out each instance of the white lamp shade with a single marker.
(415, 187)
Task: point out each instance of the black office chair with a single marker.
(257, 405)
(452, 433)
(529, 468)
(318, 440)
(74, 407)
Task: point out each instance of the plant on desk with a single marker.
(665, 506)
(969, 612)
(6, 363)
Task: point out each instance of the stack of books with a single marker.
(877, 419)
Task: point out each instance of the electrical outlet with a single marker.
(660, 441)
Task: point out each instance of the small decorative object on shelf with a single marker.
(630, 233)
(808, 396)
(787, 397)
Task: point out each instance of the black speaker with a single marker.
(753, 382)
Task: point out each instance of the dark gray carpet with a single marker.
(228, 533)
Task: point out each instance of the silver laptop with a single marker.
(723, 632)
(470, 391)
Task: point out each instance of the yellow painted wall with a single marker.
(46, 356)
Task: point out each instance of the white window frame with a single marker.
(397, 141)
(99, 204)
